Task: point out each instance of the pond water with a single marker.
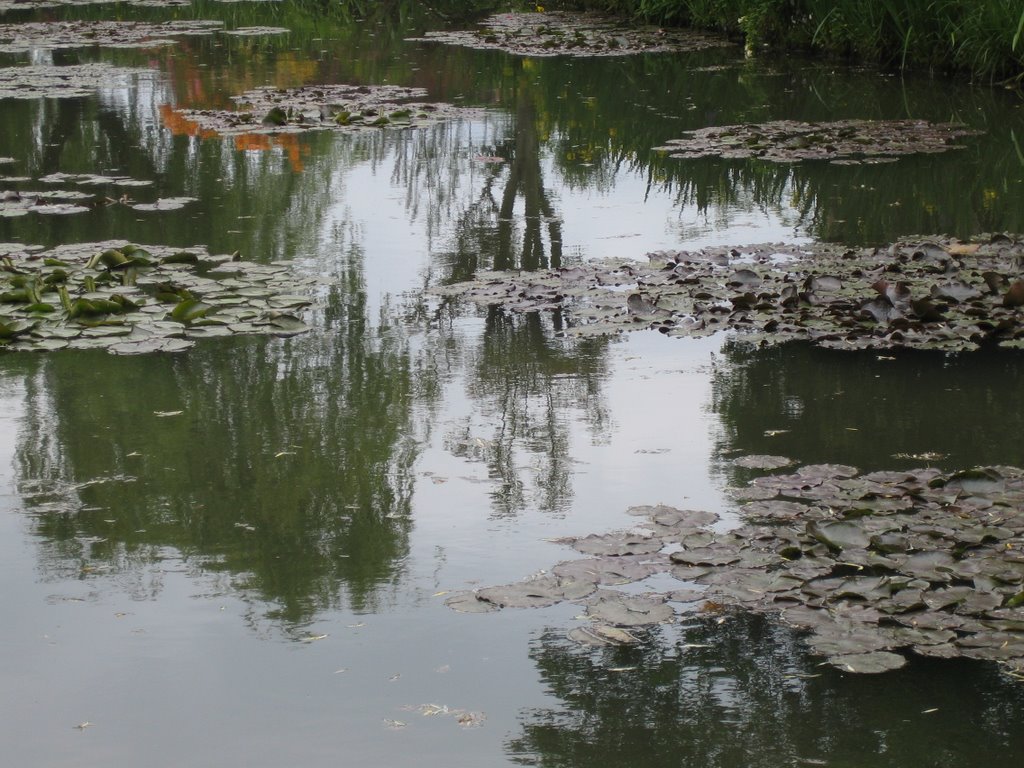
(239, 554)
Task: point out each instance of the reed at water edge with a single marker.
(983, 39)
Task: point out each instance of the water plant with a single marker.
(130, 299)
(984, 38)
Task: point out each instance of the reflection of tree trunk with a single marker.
(503, 258)
(526, 178)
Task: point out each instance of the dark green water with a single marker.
(161, 576)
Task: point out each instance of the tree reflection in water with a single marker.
(287, 465)
(742, 694)
(868, 409)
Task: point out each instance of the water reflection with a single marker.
(528, 387)
(286, 464)
(741, 693)
(865, 408)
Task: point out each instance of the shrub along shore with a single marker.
(983, 39)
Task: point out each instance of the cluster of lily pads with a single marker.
(843, 142)
(573, 34)
(933, 293)
(64, 201)
(869, 566)
(319, 107)
(54, 35)
(18, 5)
(129, 299)
(65, 82)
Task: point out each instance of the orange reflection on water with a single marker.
(294, 150)
(180, 125)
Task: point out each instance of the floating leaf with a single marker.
(868, 663)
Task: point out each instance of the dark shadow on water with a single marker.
(743, 694)
(865, 408)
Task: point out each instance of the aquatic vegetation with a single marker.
(978, 37)
(933, 293)
(868, 566)
(129, 299)
(845, 142)
(572, 34)
(65, 82)
(54, 35)
(52, 202)
(256, 31)
(326, 107)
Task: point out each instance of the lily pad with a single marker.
(868, 663)
(622, 610)
(762, 461)
(164, 204)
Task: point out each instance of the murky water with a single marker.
(238, 555)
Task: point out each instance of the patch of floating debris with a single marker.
(129, 299)
(572, 34)
(869, 566)
(320, 107)
(925, 293)
(844, 142)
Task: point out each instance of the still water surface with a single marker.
(238, 555)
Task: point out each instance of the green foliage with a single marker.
(984, 38)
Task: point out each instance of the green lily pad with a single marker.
(868, 663)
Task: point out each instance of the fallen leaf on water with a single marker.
(279, 454)
(442, 592)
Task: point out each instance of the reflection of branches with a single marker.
(287, 464)
(740, 693)
(530, 383)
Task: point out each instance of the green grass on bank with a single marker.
(981, 38)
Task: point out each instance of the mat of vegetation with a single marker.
(66, 82)
(55, 35)
(843, 142)
(925, 293)
(131, 299)
(572, 34)
(320, 107)
(868, 566)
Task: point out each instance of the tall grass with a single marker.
(983, 38)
